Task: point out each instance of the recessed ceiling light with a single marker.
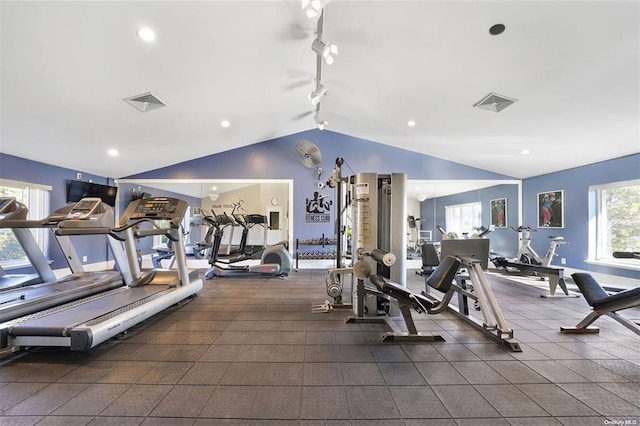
(113, 152)
(225, 123)
(214, 188)
(525, 152)
(146, 34)
(496, 29)
(411, 123)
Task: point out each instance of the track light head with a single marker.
(317, 94)
(313, 8)
(320, 122)
(326, 50)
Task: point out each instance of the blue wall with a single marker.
(20, 169)
(277, 159)
(575, 184)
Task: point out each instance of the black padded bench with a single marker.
(603, 304)
(441, 279)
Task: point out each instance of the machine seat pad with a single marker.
(400, 293)
(631, 296)
(597, 297)
(442, 277)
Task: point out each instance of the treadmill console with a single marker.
(84, 208)
(11, 209)
(158, 208)
(6, 204)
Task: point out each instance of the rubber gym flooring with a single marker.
(250, 351)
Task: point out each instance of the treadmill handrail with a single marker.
(146, 232)
(29, 223)
(149, 232)
(88, 231)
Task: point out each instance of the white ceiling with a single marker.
(572, 65)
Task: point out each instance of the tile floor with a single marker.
(249, 351)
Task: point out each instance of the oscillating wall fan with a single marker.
(310, 156)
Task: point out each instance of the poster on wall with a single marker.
(318, 208)
(499, 212)
(551, 209)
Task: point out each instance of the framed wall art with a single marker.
(498, 212)
(551, 209)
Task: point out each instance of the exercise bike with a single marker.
(476, 232)
(526, 253)
(446, 235)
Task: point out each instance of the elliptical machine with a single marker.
(275, 260)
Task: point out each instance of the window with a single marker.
(617, 220)
(36, 198)
(462, 218)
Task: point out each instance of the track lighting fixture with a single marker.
(326, 50)
(319, 122)
(324, 55)
(312, 8)
(317, 94)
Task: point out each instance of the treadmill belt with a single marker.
(13, 281)
(25, 300)
(57, 323)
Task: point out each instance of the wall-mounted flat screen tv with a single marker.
(77, 190)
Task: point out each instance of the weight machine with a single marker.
(362, 195)
(379, 244)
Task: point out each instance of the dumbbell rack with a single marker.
(325, 249)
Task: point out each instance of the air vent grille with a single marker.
(145, 102)
(494, 102)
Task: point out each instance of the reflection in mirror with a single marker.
(235, 200)
(465, 209)
(274, 220)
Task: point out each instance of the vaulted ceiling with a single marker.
(573, 67)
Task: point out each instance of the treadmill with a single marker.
(85, 323)
(97, 217)
(11, 209)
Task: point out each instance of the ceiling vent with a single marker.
(145, 102)
(494, 102)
